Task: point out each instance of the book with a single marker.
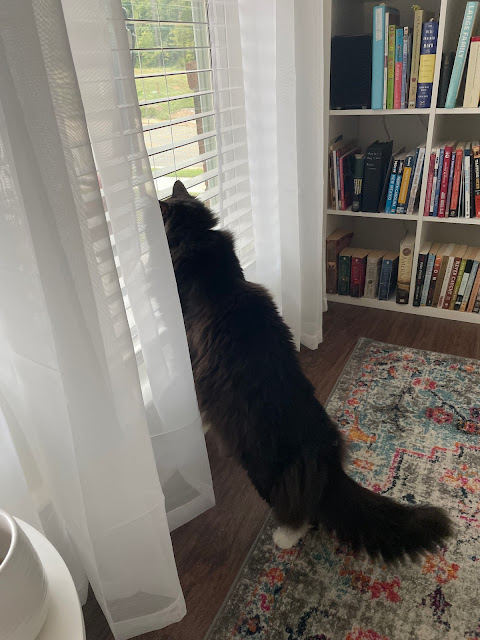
(344, 271)
(461, 195)
(392, 17)
(388, 275)
(461, 54)
(438, 154)
(391, 66)
(471, 280)
(405, 263)
(456, 260)
(397, 89)
(357, 276)
(476, 178)
(467, 178)
(335, 143)
(346, 178)
(417, 178)
(450, 182)
(428, 51)
(420, 16)
(398, 182)
(432, 254)
(391, 183)
(377, 159)
(447, 158)
(475, 289)
(463, 277)
(336, 242)
(428, 193)
(438, 181)
(337, 152)
(372, 275)
(439, 294)
(383, 196)
(476, 306)
(472, 85)
(378, 55)
(407, 46)
(435, 272)
(456, 180)
(358, 169)
(458, 282)
(420, 276)
(405, 183)
(445, 74)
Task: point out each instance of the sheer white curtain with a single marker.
(283, 51)
(76, 454)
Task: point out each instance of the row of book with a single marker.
(375, 181)
(448, 277)
(403, 59)
(453, 183)
(368, 273)
(458, 77)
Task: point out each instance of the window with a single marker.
(193, 110)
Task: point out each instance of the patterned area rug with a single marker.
(412, 420)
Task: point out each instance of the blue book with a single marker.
(398, 182)
(439, 181)
(461, 55)
(388, 275)
(412, 175)
(391, 186)
(378, 54)
(428, 52)
(405, 66)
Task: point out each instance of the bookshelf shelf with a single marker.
(381, 112)
(431, 129)
(367, 214)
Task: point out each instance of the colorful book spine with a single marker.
(450, 183)
(476, 167)
(433, 281)
(442, 280)
(406, 178)
(357, 278)
(387, 278)
(463, 284)
(427, 64)
(436, 180)
(344, 269)
(405, 264)
(451, 282)
(419, 18)
(461, 55)
(397, 92)
(417, 177)
(398, 182)
(456, 182)
(466, 171)
(391, 66)
(358, 170)
(405, 65)
(458, 284)
(470, 283)
(378, 55)
(428, 194)
(447, 159)
(372, 275)
(426, 281)
(421, 268)
(391, 186)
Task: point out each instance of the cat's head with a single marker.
(183, 214)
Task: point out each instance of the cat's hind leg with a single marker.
(287, 537)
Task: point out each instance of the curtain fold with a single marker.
(282, 51)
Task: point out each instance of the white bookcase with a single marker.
(409, 128)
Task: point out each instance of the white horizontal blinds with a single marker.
(192, 111)
(233, 203)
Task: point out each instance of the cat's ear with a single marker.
(179, 190)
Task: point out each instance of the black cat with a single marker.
(254, 395)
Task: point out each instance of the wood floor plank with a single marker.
(210, 550)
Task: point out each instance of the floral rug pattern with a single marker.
(412, 422)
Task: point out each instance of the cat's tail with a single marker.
(378, 523)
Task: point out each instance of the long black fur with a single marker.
(254, 395)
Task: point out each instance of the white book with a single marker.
(417, 176)
(472, 85)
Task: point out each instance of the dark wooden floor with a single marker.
(210, 550)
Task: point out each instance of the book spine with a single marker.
(344, 263)
(417, 177)
(472, 85)
(357, 282)
(458, 284)
(391, 66)
(461, 55)
(442, 203)
(385, 60)
(404, 274)
(441, 286)
(476, 306)
(412, 176)
(428, 194)
(427, 64)
(456, 183)
(466, 170)
(463, 284)
(445, 281)
(426, 281)
(469, 288)
(451, 282)
(450, 183)
(476, 168)
(371, 277)
(434, 185)
(422, 259)
(391, 187)
(385, 277)
(433, 281)
(406, 177)
(397, 94)
(416, 44)
(438, 181)
(405, 66)
(333, 249)
(474, 293)
(396, 191)
(343, 204)
(378, 56)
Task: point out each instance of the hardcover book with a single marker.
(336, 242)
(461, 55)
(427, 64)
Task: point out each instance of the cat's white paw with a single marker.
(286, 538)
